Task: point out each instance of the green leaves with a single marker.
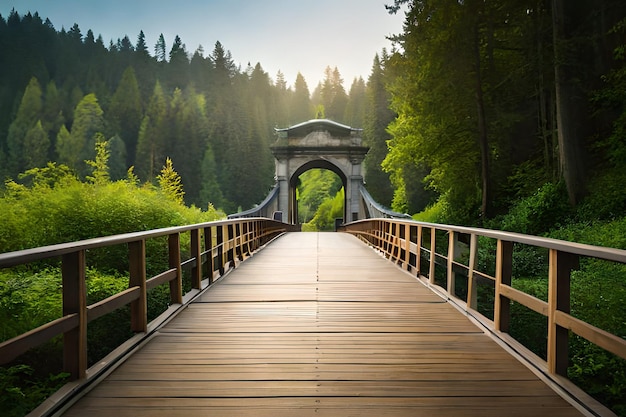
(170, 183)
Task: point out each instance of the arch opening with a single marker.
(305, 202)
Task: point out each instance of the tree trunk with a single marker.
(568, 104)
(482, 131)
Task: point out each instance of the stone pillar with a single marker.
(282, 177)
(353, 201)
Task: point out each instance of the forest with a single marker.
(507, 114)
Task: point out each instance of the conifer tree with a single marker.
(100, 165)
(355, 109)
(28, 114)
(210, 192)
(170, 182)
(301, 109)
(88, 120)
(160, 49)
(153, 133)
(125, 112)
(117, 160)
(36, 146)
(378, 116)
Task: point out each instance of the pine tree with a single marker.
(153, 134)
(100, 165)
(81, 144)
(210, 192)
(160, 49)
(125, 112)
(170, 182)
(301, 109)
(142, 48)
(28, 114)
(378, 116)
(355, 109)
(36, 147)
(117, 161)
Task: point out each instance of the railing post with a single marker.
(504, 271)
(451, 276)
(230, 240)
(176, 285)
(433, 258)
(208, 247)
(560, 269)
(418, 252)
(472, 289)
(407, 246)
(137, 278)
(75, 302)
(196, 250)
(238, 241)
(220, 248)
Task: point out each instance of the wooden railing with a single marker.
(413, 246)
(214, 248)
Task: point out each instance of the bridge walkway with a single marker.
(317, 324)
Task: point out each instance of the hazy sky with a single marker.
(286, 35)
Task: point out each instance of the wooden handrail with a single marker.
(225, 243)
(385, 235)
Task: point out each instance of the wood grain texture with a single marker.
(320, 325)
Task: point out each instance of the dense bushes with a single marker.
(51, 205)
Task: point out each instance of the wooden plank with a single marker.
(320, 325)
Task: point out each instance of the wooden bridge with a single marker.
(318, 324)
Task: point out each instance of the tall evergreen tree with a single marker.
(210, 192)
(333, 95)
(36, 147)
(28, 115)
(125, 112)
(301, 108)
(355, 109)
(81, 143)
(153, 134)
(378, 117)
(178, 68)
(160, 49)
(117, 158)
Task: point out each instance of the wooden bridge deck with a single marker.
(319, 325)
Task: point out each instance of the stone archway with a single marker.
(319, 143)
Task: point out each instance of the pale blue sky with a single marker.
(291, 36)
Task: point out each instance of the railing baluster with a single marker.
(504, 269)
(451, 276)
(230, 240)
(137, 278)
(196, 250)
(75, 302)
(560, 267)
(176, 285)
(418, 252)
(433, 258)
(472, 288)
(208, 247)
(407, 246)
(220, 248)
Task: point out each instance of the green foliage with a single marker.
(28, 299)
(19, 394)
(100, 175)
(315, 186)
(65, 209)
(170, 183)
(329, 210)
(433, 213)
(547, 209)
